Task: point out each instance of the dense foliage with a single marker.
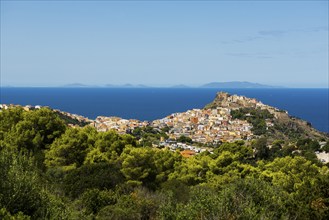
(51, 171)
(254, 116)
(148, 135)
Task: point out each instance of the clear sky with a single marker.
(163, 43)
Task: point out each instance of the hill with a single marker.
(228, 118)
(236, 85)
(270, 121)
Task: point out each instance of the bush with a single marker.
(98, 176)
(22, 189)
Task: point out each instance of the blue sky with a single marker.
(164, 42)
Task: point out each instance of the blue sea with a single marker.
(154, 103)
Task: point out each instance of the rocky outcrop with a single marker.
(226, 100)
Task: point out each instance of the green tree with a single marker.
(262, 152)
(164, 163)
(23, 190)
(37, 130)
(69, 151)
(301, 179)
(192, 171)
(138, 165)
(308, 145)
(9, 118)
(140, 204)
(184, 139)
(238, 148)
(94, 200)
(276, 149)
(109, 146)
(91, 176)
(227, 168)
(325, 148)
(251, 198)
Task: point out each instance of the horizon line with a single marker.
(161, 87)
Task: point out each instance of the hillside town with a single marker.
(122, 126)
(213, 124)
(205, 126)
(201, 125)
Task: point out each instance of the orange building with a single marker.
(194, 120)
(187, 153)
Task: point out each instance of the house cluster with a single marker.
(122, 126)
(206, 125)
(322, 156)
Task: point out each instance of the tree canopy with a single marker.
(52, 171)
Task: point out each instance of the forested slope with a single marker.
(52, 171)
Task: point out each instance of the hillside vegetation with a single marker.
(52, 171)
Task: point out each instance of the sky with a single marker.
(161, 43)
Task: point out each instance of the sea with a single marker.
(155, 103)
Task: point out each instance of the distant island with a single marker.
(237, 85)
(217, 85)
